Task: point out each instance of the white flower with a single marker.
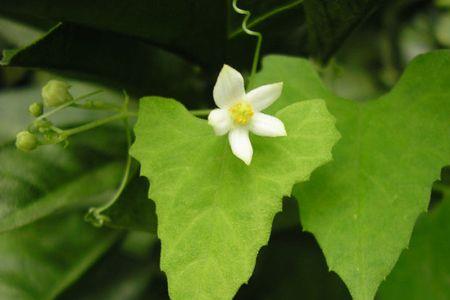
(239, 112)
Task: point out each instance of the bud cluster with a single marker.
(41, 131)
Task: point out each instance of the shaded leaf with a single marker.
(423, 270)
(123, 275)
(214, 212)
(42, 259)
(177, 25)
(362, 207)
(89, 53)
(159, 33)
(37, 184)
(330, 22)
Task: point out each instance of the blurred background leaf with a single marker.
(423, 270)
(56, 260)
(97, 37)
(130, 270)
(49, 179)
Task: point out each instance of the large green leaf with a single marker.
(190, 27)
(80, 51)
(42, 259)
(423, 271)
(214, 212)
(148, 36)
(330, 22)
(362, 207)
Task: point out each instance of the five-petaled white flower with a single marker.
(239, 112)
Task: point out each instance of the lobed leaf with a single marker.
(214, 212)
(362, 207)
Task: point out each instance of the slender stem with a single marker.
(265, 16)
(97, 106)
(200, 112)
(94, 215)
(125, 177)
(56, 129)
(253, 33)
(61, 107)
(96, 123)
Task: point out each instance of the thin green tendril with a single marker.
(94, 215)
(252, 33)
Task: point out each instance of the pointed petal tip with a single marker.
(263, 96)
(267, 125)
(241, 145)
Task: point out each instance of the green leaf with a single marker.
(42, 259)
(362, 207)
(121, 274)
(37, 184)
(178, 25)
(214, 212)
(204, 32)
(330, 22)
(146, 69)
(423, 270)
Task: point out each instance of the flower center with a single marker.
(241, 112)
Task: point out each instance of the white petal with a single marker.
(220, 120)
(265, 125)
(229, 87)
(263, 96)
(240, 144)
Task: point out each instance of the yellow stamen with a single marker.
(241, 112)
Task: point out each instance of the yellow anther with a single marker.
(241, 112)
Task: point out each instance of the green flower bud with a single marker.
(26, 141)
(55, 93)
(35, 109)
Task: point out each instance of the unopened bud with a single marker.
(26, 141)
(55, 93)
(35, 109)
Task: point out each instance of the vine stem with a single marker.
(258, 36)
(266, 16)
(88, 126)
(94, 213)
